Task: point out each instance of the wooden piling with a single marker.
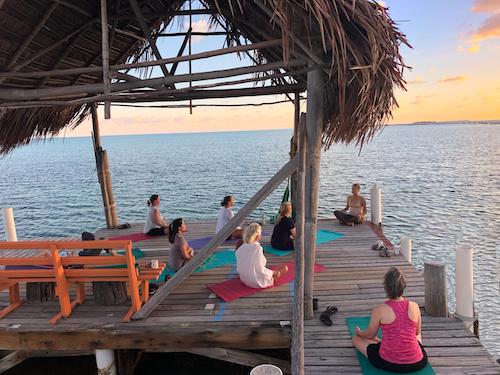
(109, 189)
(436, 296)
(96, 138)
(314, 127)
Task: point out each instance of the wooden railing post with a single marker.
(314, 126)
(436, 296)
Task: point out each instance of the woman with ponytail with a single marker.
(284, 229)
(180, 251)
(225, 215)
(155, 224)
(400, 349)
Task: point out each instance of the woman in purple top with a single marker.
(400, 349)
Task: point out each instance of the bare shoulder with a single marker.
(379, 309)
(362, 199)
(414, 306)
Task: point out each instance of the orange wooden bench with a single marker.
(77, 270)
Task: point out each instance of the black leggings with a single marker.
(346, 218)
(284, 245)
(158, 231)
(372, 352)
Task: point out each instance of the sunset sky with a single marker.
(455, 74)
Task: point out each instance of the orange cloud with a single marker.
(452, 79)
(474, 48)
(420, 99)
(416, 81)
(489, 29)
(486, 6)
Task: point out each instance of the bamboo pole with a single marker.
(96, 137)
(144, 64)
(57, 92)
(105, 57)
(216, 241)
(298, 303)
(109, 189)
(314, 126)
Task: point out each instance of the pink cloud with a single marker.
(455, 79)
(486, 6)
(489, 29)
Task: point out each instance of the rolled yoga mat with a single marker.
(322, 236)
(232, 289)
(366, 367)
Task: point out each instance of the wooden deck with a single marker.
(192, 317)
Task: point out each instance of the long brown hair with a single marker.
(285, 210)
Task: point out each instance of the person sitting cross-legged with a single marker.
(400, 349)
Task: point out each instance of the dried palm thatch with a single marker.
(354, 42)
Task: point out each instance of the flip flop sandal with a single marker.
(385, 252)
(325, 316)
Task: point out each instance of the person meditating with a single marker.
(155, 224)
(225, 215)
(284, 229)
(180, 251)
(355, 210)
(401, 347)
(251, 262)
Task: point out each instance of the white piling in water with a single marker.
(464, 284)
(105, 360)
(376, 205)
(405, 247)
(9, 224)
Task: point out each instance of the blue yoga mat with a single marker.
(218, 259)
(366, 366)
(322, 236)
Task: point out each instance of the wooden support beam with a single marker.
(98, 151)
(293, 151)
(240, 357)
(195, 56)
(314, 126)
(172, 13)
(246, 338)
(147, 33)
(58, 92)
(31, 36)
(298, 298)
(105, 56)
(49, 48)
(74, 7)
(181, 50)
(12, 359)
(216, 241)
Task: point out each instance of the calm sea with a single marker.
(440, 184)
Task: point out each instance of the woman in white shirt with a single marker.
(225, 215)
(251, 262)
(155, 224)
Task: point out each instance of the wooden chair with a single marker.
(65, 271)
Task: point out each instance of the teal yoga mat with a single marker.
(218, 259)
(322, 236)
(136, 252)
(366, 366)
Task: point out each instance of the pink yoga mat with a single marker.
(134, 237)
(232, 289)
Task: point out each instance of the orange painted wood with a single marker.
(62, 285)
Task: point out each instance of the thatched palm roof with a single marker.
(354, 42)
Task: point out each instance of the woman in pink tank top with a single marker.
(400, 349)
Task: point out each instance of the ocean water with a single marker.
(440, 185)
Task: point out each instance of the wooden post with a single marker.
(293, 151)
(9, 224)
(298, 305)
(436, 296)
(109, 189)
(464, 285)
(96, 137)
(314, 128)
(105, 57)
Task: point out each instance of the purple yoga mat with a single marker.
(198, 243)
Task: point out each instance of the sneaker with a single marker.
(378, 246)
